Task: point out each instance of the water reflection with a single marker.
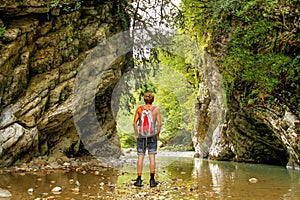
(183, 176)
(231, 180)
(19, 184)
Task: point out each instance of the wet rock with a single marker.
(30, 191)
(71, 181)
(56, 190)
(197, 155)
(253, 180)
(77, 183)
(66, 164)
(5, 193)
(54, 165)
(75, 190)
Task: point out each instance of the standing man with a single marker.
(150, 142)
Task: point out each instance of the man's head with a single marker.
(148, 98)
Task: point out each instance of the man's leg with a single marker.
(152, 163)
(153, 183)
(140, 163)
(152, 150)
(141, 149)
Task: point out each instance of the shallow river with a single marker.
(180, 176)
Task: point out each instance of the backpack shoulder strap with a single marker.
(152, 108)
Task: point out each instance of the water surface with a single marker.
(180, 176)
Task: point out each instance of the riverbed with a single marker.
(180, 176)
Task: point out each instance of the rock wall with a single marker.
(262, 133)
(210, 107)
(42, 45)
(264, 128)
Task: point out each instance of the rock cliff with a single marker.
(258, 125)
(262, 133)
(43, 45)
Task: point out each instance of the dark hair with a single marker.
(148, 98)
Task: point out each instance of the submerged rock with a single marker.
(253, 180)
(4, 193)
(56, 190)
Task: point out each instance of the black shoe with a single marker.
(138, 183)
(153, 183)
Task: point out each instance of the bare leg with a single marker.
(140, 165)
(152, 163)
(153, 183)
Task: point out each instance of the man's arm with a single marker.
(135, 121)
(158, 123)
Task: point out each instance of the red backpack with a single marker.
(146, 123)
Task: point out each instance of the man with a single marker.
(149, 142)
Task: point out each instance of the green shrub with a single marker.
(2, 30)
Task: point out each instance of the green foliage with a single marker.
(147, 87)
(259, 71)
(171, 113)
(125, 128)
(173, 95)
(196, 20)
(66, 6)
(254, 43)
(127, 139)
(259, 42)
(181, 65)
(2, 30)
(293, 73)
(261, 62)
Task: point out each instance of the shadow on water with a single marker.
(180, 176)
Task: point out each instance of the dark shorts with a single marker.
(149, 143)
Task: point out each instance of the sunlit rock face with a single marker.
(42, 48)
(261, 133)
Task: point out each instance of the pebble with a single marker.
(30, 191)
(253, 180)
(56, 190)
(71, 181)
(75, 190)
(54, 165)
(77, 183)
(4, 193)
(66, 164)
(39, 179)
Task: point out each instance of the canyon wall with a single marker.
(43, 45)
